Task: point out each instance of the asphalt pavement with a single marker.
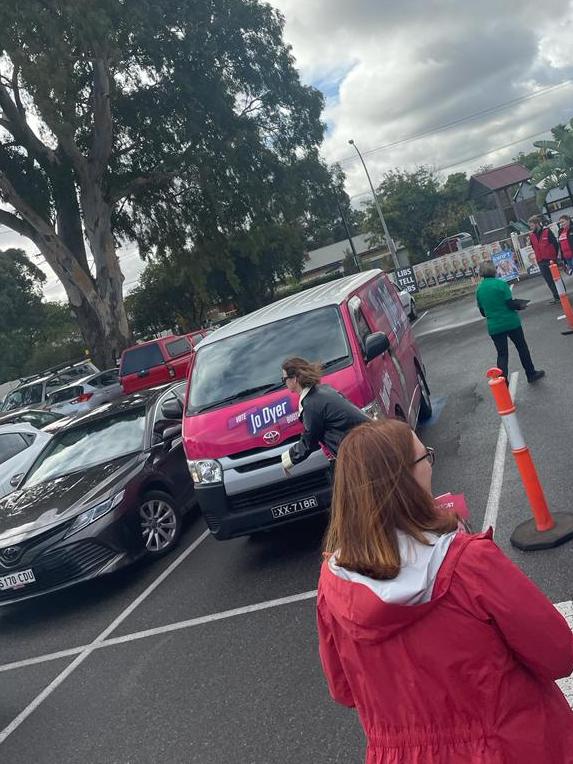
(210, 656)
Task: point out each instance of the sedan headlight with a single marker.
(374, 410)
(205, 471)
(94, 513)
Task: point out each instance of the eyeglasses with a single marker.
(430, 456)
(288, 376)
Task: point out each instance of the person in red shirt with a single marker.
(448, 652)
(566, 242)
(546, 248)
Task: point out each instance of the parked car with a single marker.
(239, 417)
(157, 362)
(106, 490)
(86, 394)
(409, 304)
(38, 418)
(20, 444)
(33, 391)
(452, 244)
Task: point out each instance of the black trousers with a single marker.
(546, 272)
(518, 339)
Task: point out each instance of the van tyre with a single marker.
(413, 315)
(160, 522)
(425, 401)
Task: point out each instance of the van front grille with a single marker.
(289, 490)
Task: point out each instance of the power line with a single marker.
(461, 120)
(475, 156)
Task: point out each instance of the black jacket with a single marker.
(327, 416)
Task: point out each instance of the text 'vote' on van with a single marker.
(239, 417)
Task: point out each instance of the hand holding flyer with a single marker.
(453, 502)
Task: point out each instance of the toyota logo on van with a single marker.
(271, 437)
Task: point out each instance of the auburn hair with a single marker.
(306, 372)
(375, 495)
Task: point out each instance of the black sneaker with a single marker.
(554, 301)
(536, 376)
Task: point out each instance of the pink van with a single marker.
(239, 417)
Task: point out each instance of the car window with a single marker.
(140, 359)
(253, 358)
(178, 347)
(106, 378)
(66, 394)
(32, 394)
(11, 443)
(13, 400)
(95, 442)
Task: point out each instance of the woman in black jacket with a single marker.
(326, 414)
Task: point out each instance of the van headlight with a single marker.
(374, 410)
(205, 471)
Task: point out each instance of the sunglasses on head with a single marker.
(430, 457)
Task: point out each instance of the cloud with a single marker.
(409, 68)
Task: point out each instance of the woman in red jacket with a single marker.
(448, 652)
(566, 242)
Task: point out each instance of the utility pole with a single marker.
(348, 234)
(389, 239)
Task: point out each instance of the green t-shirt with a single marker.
(491, 296)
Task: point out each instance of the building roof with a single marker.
(335, 253)
(498, 178)
(333, 293)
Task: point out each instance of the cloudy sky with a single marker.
(447, 83)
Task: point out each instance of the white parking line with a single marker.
(98, 641)
(492, 507)
(160, 630)
(417, 321)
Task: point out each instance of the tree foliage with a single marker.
(555, 168)
(20, 292)
(419, 208)
(181, 126)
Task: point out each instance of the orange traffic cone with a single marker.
(564, 298)
(545, 530)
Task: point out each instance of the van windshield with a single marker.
(239, 366)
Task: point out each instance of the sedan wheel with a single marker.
(160, 523)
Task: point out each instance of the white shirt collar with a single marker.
(305, 391)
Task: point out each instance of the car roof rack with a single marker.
(52, 370)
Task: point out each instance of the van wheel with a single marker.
(160, 523)
(413, 311)
(425, 401)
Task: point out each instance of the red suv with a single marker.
(158, 361)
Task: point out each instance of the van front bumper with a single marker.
(267, 507)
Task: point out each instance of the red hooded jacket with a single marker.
(454, 661)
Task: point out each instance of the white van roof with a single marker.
(332, 293)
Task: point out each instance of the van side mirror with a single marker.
(15, 480)
(376, 344)
(172, 409)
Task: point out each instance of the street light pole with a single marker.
(389, 239)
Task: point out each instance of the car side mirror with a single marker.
(170, 433)
(172, 409)
(376, 344)
(15, 480)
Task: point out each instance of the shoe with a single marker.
(554, 301)
(536, 376)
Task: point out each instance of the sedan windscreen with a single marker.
(98, 441)
(248, 362)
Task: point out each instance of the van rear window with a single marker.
(140, 359)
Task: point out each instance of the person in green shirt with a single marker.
(496, 304)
